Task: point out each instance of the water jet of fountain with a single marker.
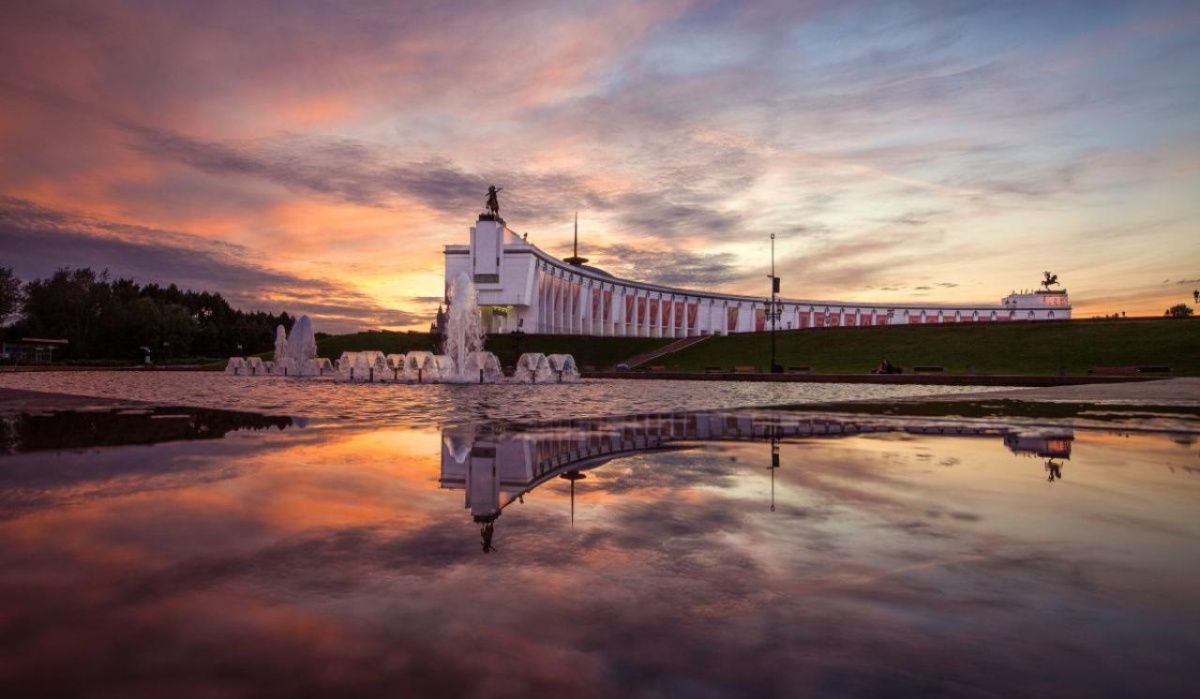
(463, 344)
(302, 346)
(281, 343)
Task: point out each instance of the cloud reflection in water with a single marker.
(338, 560)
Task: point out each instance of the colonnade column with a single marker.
(597, 300)
(547, 304)
(580, 309)
(643, 314)
(564, 305)
(577, 328)
(610, 324)
(583, 308)
(543, 302)
(633, 320)
(620, 312)
(552, 321)
(560, 320)
(641, 309)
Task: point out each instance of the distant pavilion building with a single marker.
(31, 350)
(522, 287)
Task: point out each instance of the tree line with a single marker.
(104, 318)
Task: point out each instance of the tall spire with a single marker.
(575, 259)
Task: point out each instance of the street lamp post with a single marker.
(773, 309)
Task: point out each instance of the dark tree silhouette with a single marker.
(112, 319)
(1179, 310)
(10, 293)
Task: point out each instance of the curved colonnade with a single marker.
(521, 287)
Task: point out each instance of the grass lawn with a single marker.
(1018, 348)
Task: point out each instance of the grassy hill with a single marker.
(599, 352)
(1016, 348)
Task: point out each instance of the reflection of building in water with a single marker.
(496, 467)
(1056, 446)
(1045, 446)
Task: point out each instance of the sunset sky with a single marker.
(314, 157)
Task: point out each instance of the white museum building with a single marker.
(521, 287)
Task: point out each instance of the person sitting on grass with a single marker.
(886, 367)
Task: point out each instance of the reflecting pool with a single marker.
(325, 398)
(748, 552)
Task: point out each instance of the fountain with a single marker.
(420, 367)
(563, 366)
(533, 367)
(485, 365)
(281, 343)
(302, 345)
(463, 358)
(463, 334)
(316, 366)
(395, 364)
(369, 365)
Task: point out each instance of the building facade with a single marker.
(521, 287)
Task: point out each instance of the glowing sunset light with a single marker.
(319, 157)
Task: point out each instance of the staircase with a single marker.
(646, 357)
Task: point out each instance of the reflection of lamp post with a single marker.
(773, 431)
(573, 476)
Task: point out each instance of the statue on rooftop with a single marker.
(1049, 280)
(493, 203)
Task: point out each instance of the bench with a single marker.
(928, 369)
(799, 370)
(657, 367)
(745, 369)
(713, 370)
(1128, 370)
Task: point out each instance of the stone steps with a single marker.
(647, 357)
